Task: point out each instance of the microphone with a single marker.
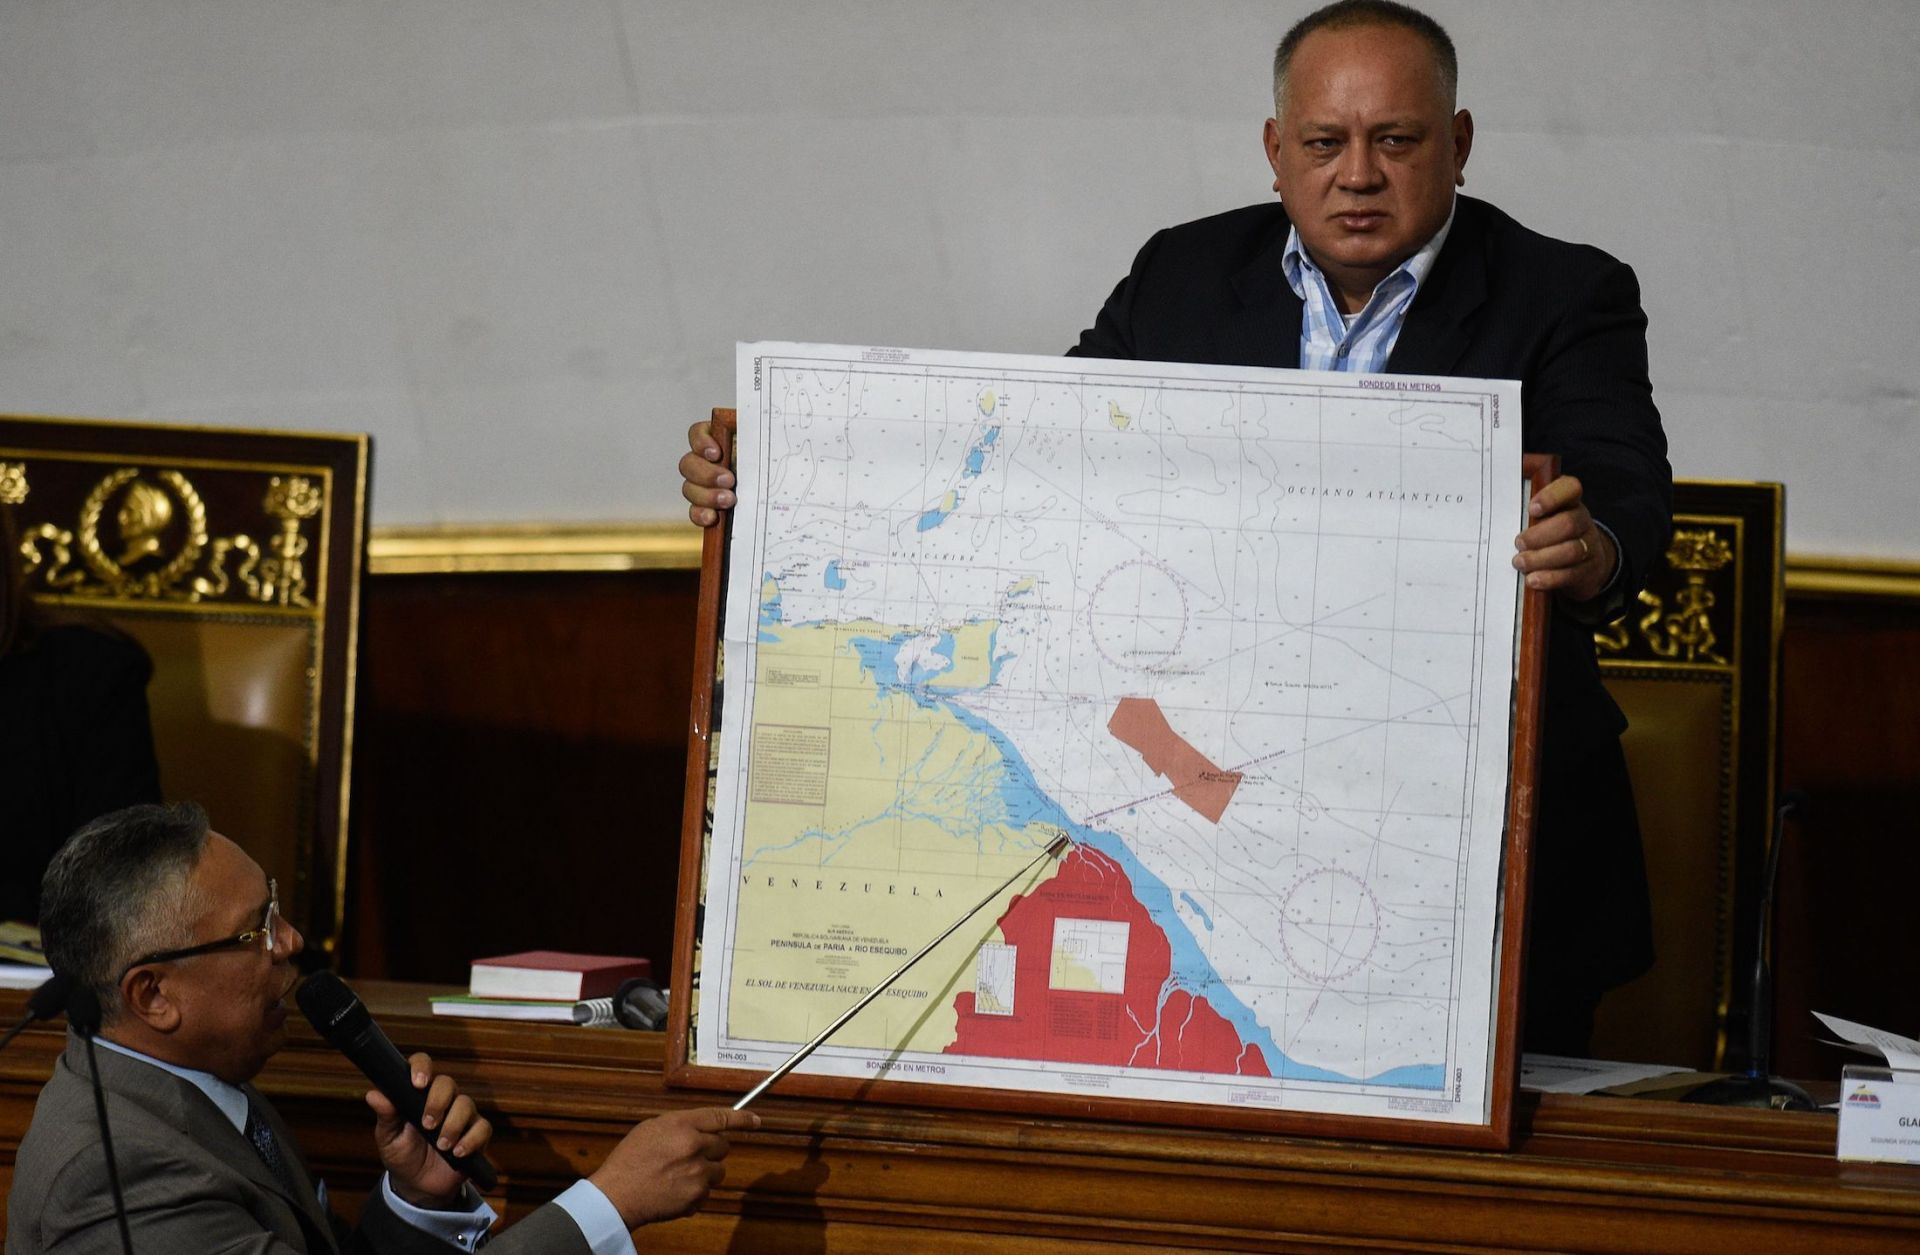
(340, 1017)
(639, 1003)
(42, 1004)
(83, 1016)
(1757, 1086)
(1793, 803)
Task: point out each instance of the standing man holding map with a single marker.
(1371, 263)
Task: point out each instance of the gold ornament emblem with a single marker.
(1687, 631)
(1698, 551)
(283, 575)
(144, 516)
(159, 529)
(143, 534)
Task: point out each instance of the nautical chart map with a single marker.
(1244, 636)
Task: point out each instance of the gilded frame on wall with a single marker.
(1695, 663)
(234, 557)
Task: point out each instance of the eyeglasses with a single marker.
(264, 935)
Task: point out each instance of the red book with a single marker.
(552, 975)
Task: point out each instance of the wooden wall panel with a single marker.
(522, 740)
(1847, 937)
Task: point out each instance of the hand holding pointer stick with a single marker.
(1059, 843)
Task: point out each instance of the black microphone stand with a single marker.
(83, 1015)
(1757, 1086)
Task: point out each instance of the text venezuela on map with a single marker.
(1244, 636)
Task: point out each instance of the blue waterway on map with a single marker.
(835, 580)
(770, 614)
(1199, 910)
(931, 519)
(1027, 803)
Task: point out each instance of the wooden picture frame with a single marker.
(1510, 940)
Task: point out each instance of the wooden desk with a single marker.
(1589, 1174)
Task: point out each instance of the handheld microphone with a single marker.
(340, 1017)
(42, 1004)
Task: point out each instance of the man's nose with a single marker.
(288, 942)
(1359, 168)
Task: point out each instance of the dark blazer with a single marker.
(1501, 302)
(74, 744)
(193, 1183)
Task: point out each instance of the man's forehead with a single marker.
(1393, 55)
(229, 876)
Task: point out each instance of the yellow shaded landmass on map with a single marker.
(986, 1004)
(1065, 973)
(870, 828)
(1120, 419)
(972, 658)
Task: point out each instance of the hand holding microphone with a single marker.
(663, 1168)
(406, 1093)
(429, 1160)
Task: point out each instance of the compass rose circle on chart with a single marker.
(1137, 616)
(1329, 925)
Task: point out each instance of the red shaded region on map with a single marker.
(1196, 781)
(1133, 1028)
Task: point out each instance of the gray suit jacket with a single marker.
(193, 1184)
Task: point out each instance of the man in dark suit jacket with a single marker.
(1366, 149)
(1504, 303)
(177, 931)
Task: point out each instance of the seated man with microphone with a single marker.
(177, 933)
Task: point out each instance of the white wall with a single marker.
(517, 240)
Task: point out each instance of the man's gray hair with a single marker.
(120, 889)
(1349, 14)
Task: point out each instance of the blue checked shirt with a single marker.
(1329, 340)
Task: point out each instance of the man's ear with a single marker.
(143, 994)
(1462, 146)
(1270, 140)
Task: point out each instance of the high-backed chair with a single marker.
(234, 558)
(1695, 665)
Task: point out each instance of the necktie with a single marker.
(260, 1133)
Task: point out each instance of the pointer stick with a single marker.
(799, 1056)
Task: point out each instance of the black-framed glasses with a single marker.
(263, 935)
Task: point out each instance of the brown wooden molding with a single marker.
(1875, 579)
(490, 548)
